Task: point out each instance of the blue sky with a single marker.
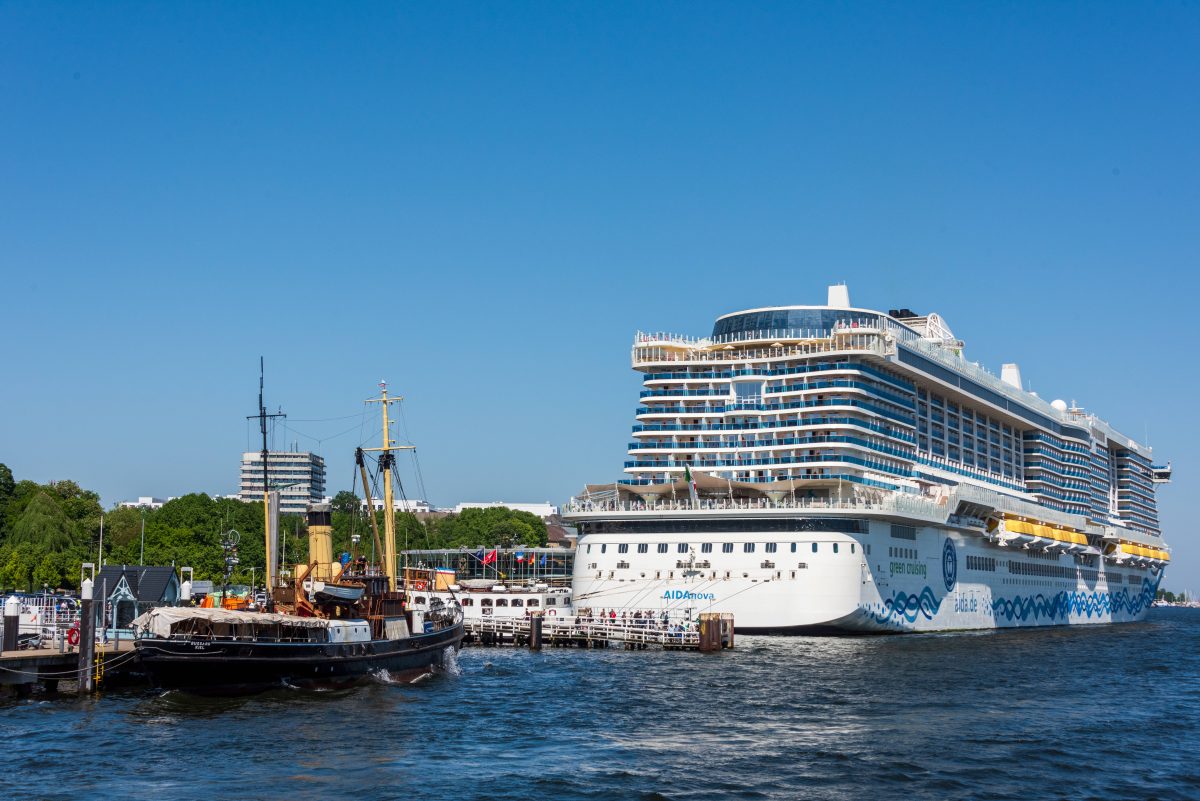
(482, 203)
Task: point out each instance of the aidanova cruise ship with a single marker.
(827, 468)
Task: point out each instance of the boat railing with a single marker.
(647, 352)
(918, 506)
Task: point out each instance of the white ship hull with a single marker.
(942, 579)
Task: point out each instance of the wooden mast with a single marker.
(387, 461)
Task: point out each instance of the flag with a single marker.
(687, 472)
(490, 558)
(543, 562)
(520, 556)
(479, 554)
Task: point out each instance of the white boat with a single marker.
(829, 468)
(488, 598)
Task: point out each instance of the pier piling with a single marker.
(87, 639)
(12, 623)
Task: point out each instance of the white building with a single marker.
(143, 502)
(542, 510)
(299, 477)
(398, 504)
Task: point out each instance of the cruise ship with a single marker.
(825, 469)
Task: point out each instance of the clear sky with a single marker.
(482, 203)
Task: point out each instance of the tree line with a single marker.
(48, 530)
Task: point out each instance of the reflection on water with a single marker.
(1082, 712)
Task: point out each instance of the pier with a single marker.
(22, 670)
(714, 632)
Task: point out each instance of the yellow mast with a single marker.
(386, 462)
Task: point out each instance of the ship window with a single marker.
(851, 548)
(835, 547)
(643, 547)
(532, 602)
(662, 547)
(727, 547)
(814, 547)
(706, 548)
(485, 601)
(501, 602)
(517, 602)
(682, 547)
(603, 547)
(420, 599)
(551, 602)
(623, 548)
(794, 545)
(589, 550)
(748, 547)
(468, 601)
(771, 547)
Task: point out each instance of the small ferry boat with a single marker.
(486, 598)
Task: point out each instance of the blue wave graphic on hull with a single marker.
(904, 608)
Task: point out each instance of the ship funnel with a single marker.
(839, 296)
(320, 541)
(1011, 374)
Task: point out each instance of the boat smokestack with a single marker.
(839, 296)
(1011, 374)
(320, 541)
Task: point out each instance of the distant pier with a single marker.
(713, 632)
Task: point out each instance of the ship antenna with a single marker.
(269, 552)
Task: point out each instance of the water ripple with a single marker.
(1088, 712)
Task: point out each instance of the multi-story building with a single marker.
(299, 477)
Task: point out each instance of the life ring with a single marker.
(73, 637)
(420, 585)
(551, 612)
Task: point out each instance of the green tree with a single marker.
(48, 573)
(16, 571)
(7, 486)
(44, 523)
(346, 502)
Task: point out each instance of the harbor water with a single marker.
(1087, 712)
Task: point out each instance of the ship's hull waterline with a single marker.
(202, 665)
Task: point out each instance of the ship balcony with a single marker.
(666, 351)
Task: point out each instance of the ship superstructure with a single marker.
(923, 475)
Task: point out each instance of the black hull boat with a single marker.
(242, 657)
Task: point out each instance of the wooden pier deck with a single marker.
(21, 670)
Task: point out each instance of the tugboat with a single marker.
(334, 624)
